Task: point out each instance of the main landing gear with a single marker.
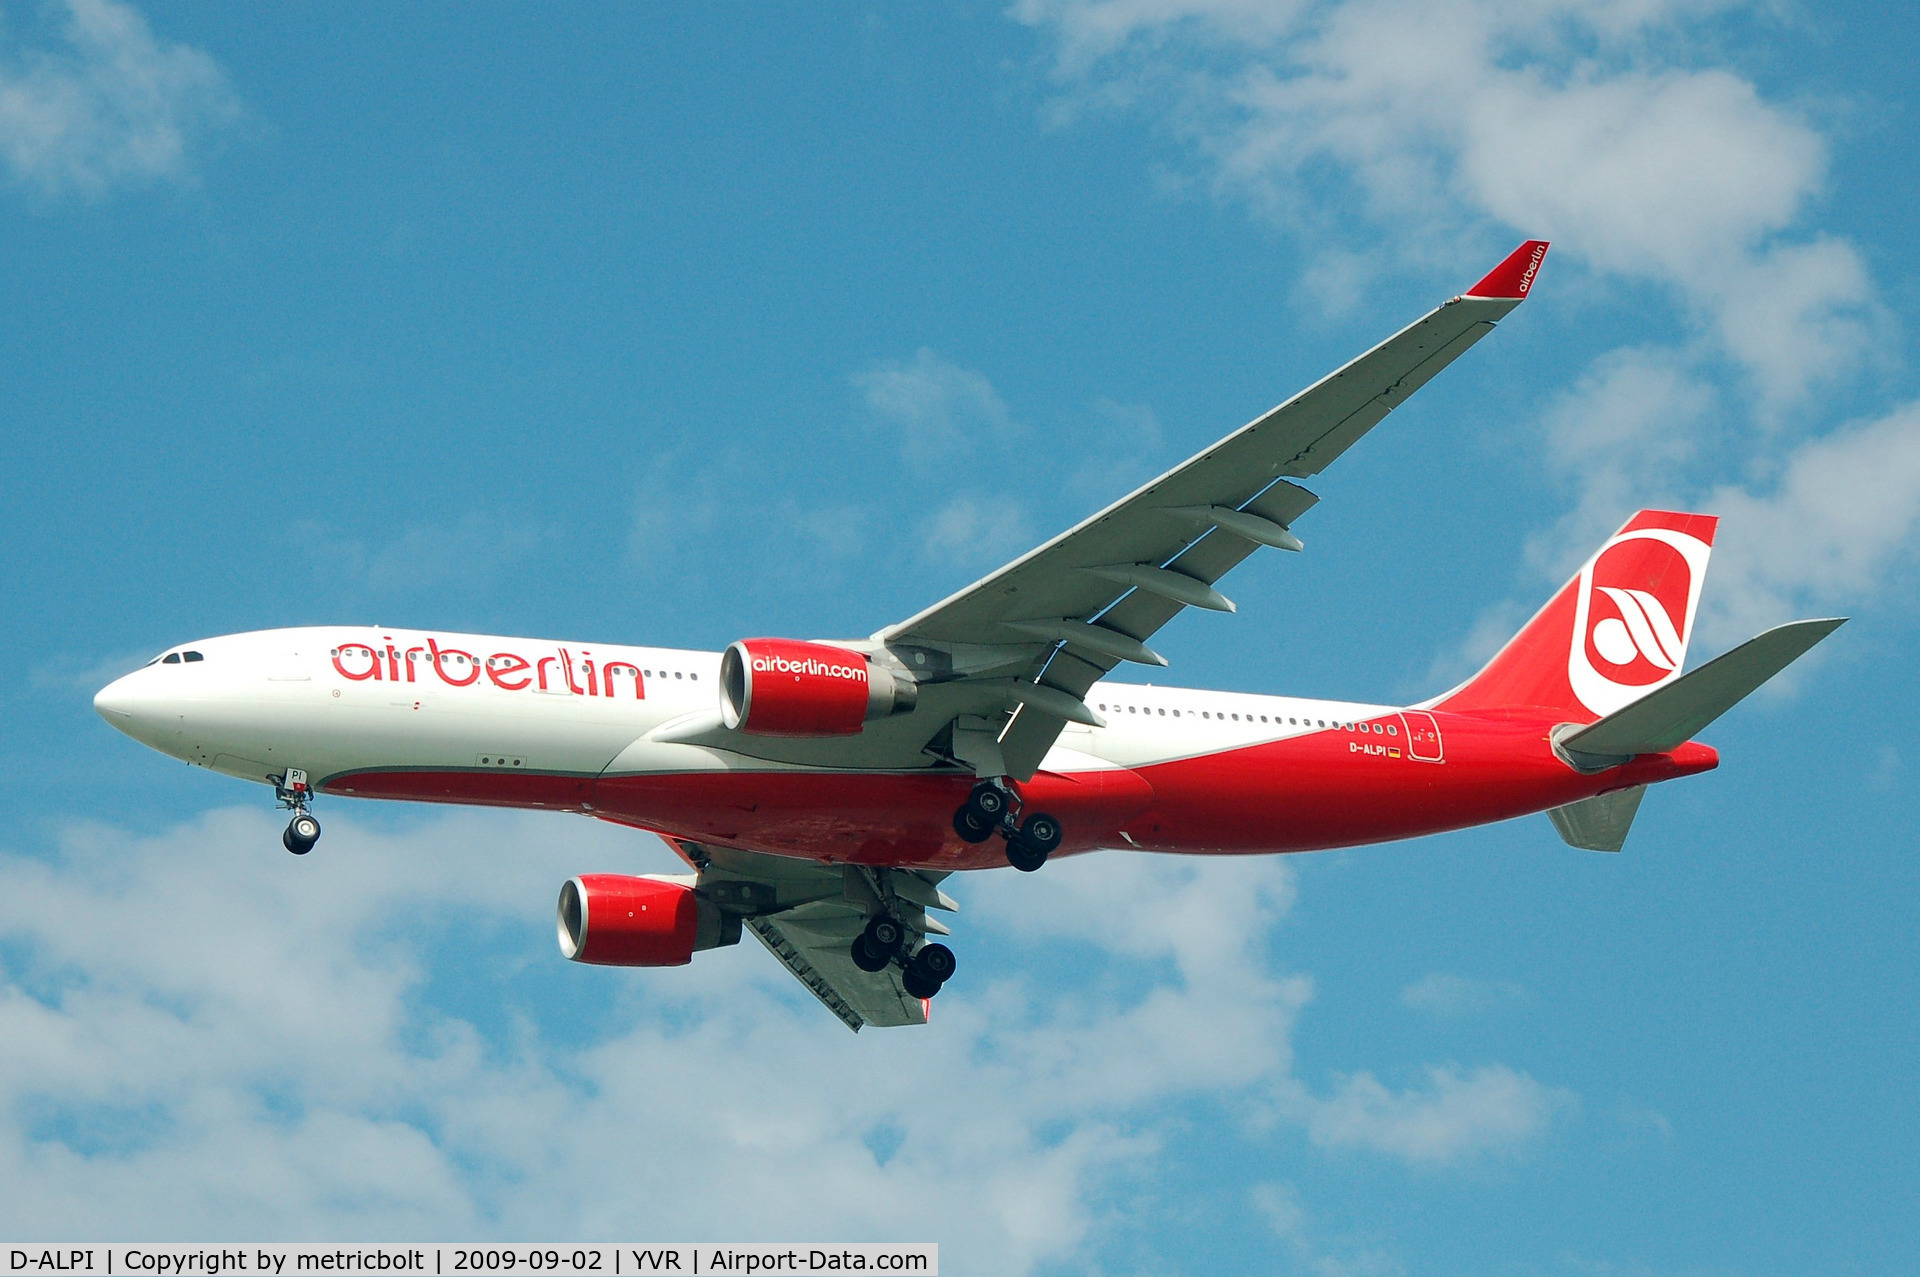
(303, 831)
(991, 809)
(885, 941)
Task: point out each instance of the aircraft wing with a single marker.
(1092, 594)
(808, 914)
(1002, 666)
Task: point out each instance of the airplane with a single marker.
(821, 791)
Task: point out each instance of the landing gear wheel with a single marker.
(971, 828)
(1023, 856)
(1041, 832)
(302, 832)
(935, 962)
(917, 985)
(865, 958)
(981, 814)
(989, 801)
(884, 934)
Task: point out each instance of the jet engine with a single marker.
(616, 921)
(783, 687)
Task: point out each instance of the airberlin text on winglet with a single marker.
(1511, 279)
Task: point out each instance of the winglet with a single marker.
(1512, 278)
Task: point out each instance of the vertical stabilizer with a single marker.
(1616, 631)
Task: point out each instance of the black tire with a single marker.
(1041, 832)
(1023, 856)
(967, 823)
(884, 934)
(917, 985)
(936, 962)
(304, 828)
(865, 958)
(293, 844)
(988, 802)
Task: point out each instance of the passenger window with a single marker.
(1163, 713)
(192, 656)
(1392, 730)
(676, 673)
(172, 658)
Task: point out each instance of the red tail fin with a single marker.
(1615, 632)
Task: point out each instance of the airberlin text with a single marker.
(173, 1259)
(563, 672)
(777, 664)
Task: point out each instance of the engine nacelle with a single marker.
(783, 687)
(617, 921)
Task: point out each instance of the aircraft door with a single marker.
(1423, 736)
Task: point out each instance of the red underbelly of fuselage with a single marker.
(1327, 789)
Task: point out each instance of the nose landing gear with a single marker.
(991, 809)
(303, 831)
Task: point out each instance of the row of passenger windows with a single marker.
(1387, 729)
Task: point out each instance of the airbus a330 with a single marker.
(820, 791)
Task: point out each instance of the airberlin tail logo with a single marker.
(1634, 613)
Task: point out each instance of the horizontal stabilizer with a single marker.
(1671, 715)
(1599, 823)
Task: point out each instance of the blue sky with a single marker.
(632, 325)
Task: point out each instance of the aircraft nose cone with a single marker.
(134, 705)
(115, 702)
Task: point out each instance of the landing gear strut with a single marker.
(303, 831)
(991, 809)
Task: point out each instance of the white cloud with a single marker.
(472, 554)
(688, 511)
(208, 1037)
(1488, 1111)
(932, 409)
(107, 104)
(1589, 123)
(976, 532)
(1387, 131)
(1445, 995)
(74, 672)
(1836, 520)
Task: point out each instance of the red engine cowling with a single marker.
(783, 687)
(617, 921)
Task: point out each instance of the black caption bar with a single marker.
(567, 1259)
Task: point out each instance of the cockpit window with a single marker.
(171, 658)
(193, 656)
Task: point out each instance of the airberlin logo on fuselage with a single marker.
(1634, 611)
(811, 665)
(562, 673)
